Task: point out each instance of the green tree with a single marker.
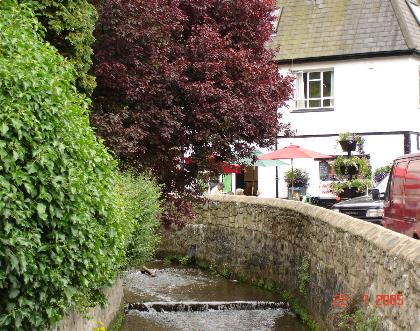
(69, 26)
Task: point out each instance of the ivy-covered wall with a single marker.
(61, 233)
(68, 26)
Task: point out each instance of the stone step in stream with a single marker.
(189, 306)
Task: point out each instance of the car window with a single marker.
(388, 186)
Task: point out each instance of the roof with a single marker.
(327, 28)
(408, 156)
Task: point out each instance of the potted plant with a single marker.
(300, 180)
(380, 173)
(299, 177)
(353, 165)
(349, 141)
(353, 173)
(350, 188)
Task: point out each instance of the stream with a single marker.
(181, 298)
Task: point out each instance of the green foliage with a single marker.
(385, 169)
(61, 234)
(69, 26)
(167, 261)
(213, 266)
(299, 177)
(381, 172)
(360, 185)
(344, 136)
(360, 320)
(350, 137)
(303, 277)
(225, 271)
(140, 198)
(184, 260)
(360, 181)
(347, 136)
(241, 276)
(342, 163)
(269, 285)
(173, 260)
(118, 321)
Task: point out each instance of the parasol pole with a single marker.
(277, 174)
(293, 178)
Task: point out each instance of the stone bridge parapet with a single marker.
(313, 253)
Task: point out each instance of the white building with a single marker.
(356, 64)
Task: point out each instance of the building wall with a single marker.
(269, 240)
(382, 149)
(376, 94)
(371, 95)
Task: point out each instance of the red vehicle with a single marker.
(402, 197)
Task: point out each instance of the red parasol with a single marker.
(293, 152)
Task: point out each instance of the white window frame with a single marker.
(304, 103)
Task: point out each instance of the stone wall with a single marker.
(76, 321)
(285, 242)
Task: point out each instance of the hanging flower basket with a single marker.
(349, 142)
(349, 193)
(350, 188)
(348, 145)
(354, 165)
(348, 169)
(352, 169)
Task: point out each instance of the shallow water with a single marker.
(175, 284)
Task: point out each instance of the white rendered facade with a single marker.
(375, 97)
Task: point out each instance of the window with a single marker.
(389, 186)
(415, 9)
(314, 89)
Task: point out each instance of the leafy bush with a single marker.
(141, 210)
(360, 320)
(69, 27)
(299, 177)
(381, 172)
(61, 233)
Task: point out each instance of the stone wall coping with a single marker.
(392, 242)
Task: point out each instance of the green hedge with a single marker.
(61, 233)
(69, 26)
(141, 198)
